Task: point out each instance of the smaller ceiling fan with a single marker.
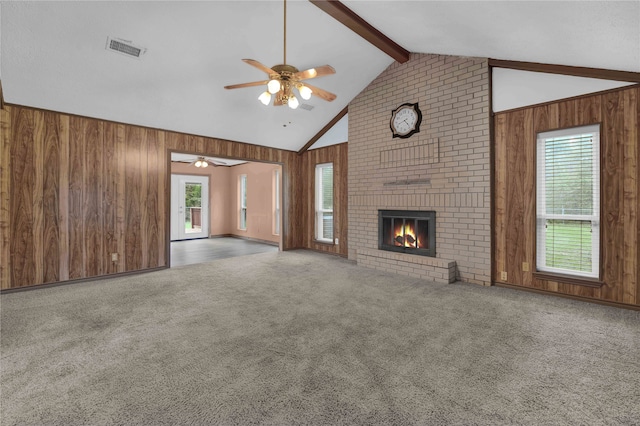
(283, 78)
(205, 162)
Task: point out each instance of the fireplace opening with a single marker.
(407, 231)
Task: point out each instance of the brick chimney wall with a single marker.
(445, 167)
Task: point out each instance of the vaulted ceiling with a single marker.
(53, 54)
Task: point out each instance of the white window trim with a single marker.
(542, 217)
(319, 231)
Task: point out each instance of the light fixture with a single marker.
(201, 162)
(265, 98)
(305, 92)
(293, 102)
(274, 86)
(284, 78)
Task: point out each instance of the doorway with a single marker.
(189, 207)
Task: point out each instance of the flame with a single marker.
(406, 236)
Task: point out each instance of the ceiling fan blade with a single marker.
(314, 72)
(241, 85)
(260, 66)
(327, 96)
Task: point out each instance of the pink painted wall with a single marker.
(259, 200)
(223, 198)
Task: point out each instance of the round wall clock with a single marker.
(405, 120)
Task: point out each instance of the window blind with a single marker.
(568, 201)
(324, 202)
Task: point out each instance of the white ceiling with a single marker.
(53, 54)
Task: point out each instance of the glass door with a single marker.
(189, 207)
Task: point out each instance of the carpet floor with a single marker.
(305, 338)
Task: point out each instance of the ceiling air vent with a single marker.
(307, 107)
(125, 47)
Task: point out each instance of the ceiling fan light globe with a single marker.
(293, 102)
(205, 164)
(265, 98)
(305, 92)
(273, 86)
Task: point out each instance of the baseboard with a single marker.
(80, 280)
(569, 296)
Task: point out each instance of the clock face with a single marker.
(405, 120)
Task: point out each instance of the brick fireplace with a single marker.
(445, 168)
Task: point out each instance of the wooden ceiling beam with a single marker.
(349, 18)
(604, 74)
(324, 130)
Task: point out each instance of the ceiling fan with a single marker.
(205, 162)
(283, 78)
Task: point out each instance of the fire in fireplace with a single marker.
(407, 231)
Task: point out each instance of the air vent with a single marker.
(307, 107)
(125, 47)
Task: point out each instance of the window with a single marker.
(276, 202)
(324, 202)
(568, 202)
(242, 223)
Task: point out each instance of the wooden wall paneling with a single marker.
(543, 119)
(52, 159)
(500, 155)
(76, 189)
(336, 154)
(161, 187)
(588, 110)
(76, 192)
(630, 196)
(529, 199)
(154, 225)
(295, 203)
(637, 289)
(618, 111)
(121, 198)
(143, 175)
(38, 195)
(5, 197)
(92, 198)
(109, 199)
(515, 232)
(21, 191)
(133, 195)
(612, 195)
(63, 198)
(567, 114)
(307, 207)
